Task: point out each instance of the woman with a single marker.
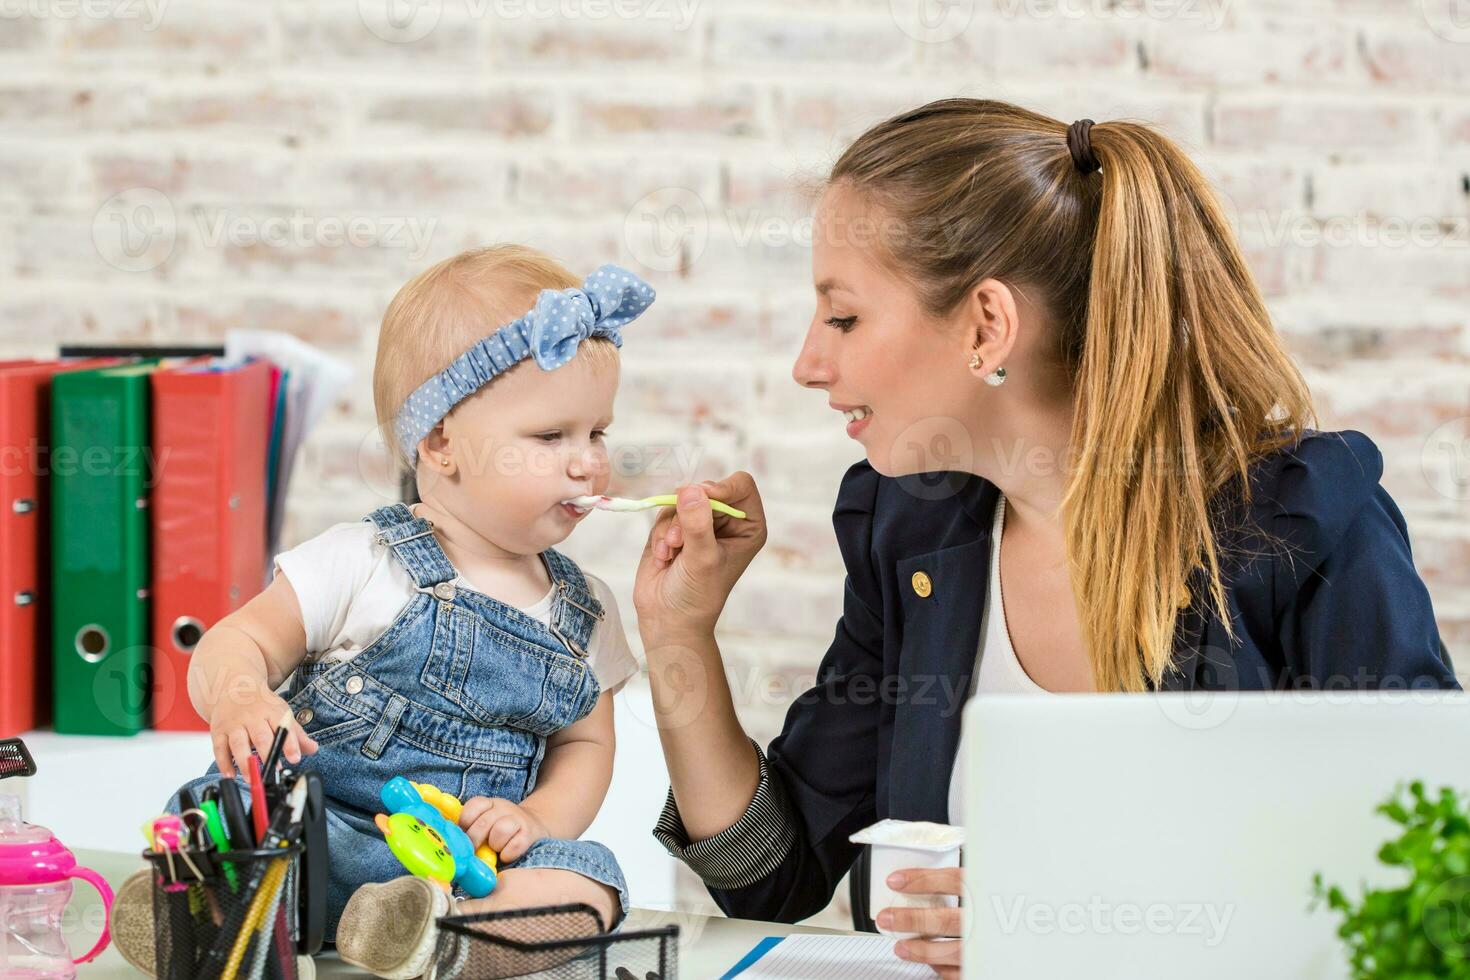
(1060, 318)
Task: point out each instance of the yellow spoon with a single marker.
(627, 505)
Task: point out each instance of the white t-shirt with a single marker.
(1000, 669)
(351, 589)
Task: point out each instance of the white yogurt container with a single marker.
(898, 844)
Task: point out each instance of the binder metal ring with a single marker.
(92, 643)
(186, 633)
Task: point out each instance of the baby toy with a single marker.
(423, 832)
(624, 504)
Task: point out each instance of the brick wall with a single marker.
(171, 170)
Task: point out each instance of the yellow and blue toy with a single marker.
(423, 832)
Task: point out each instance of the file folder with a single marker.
(25, 587)
(211, 430)
(101, 471)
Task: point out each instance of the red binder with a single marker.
(25, 648)
(211, 427)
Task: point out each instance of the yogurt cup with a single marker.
(897, 844)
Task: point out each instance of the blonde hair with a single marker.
(1178, 378)
(440, 313)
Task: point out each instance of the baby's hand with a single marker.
(509, 828)
(250, 718)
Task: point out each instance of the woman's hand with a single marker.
(942, 954)
(249, 717)
(694, 556)
(509, 828)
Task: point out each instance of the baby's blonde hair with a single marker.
(444, 310)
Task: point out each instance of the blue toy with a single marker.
(423, 835)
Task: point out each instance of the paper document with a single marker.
(816, 957)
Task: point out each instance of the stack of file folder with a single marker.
(136, 503)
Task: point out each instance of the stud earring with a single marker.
(444, 461)
(996, 378)
(974, 360)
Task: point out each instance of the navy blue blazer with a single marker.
(1344, 607)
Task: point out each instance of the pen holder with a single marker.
(200, 911)
(556, 942)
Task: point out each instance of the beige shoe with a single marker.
(388, 928)
(132, 921)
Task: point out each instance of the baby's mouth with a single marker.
(582, 504)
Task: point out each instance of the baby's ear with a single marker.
(435, 442)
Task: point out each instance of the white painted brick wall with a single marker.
(575, 125)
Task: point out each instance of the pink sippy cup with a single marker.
(35, 884)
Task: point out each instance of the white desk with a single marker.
(708, 945)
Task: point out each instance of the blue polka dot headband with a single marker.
(550, 333)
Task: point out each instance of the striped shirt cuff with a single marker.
(746, 851)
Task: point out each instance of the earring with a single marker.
(996, 378)
(444, 461)
(974, 360)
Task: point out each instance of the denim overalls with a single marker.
(460, 692)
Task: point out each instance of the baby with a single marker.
(447, 641)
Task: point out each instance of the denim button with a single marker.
(304, 716)
(444, 590)
(354, 685)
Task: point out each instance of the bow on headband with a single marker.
(550, 333)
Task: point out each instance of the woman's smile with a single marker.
(858, 417)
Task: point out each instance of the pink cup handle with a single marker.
(96, 881)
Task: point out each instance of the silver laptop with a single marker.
(1176, 835)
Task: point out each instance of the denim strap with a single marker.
(412, 540)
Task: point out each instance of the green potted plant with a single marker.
(1420, 930)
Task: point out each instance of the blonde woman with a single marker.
(1059, 316)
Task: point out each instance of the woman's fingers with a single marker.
(935, 952)
(926, 922)
(696, 519)
(739, 491)
(927, 881)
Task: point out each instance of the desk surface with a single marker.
(708, 945)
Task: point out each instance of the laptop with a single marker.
(1176, 835)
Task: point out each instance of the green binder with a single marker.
(101, 471)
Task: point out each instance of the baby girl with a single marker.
(448, 641)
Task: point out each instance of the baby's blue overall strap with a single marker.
(564, 569)
(577, 611)
(412, 539)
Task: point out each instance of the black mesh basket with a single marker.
(200, 910)
(557, 942)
